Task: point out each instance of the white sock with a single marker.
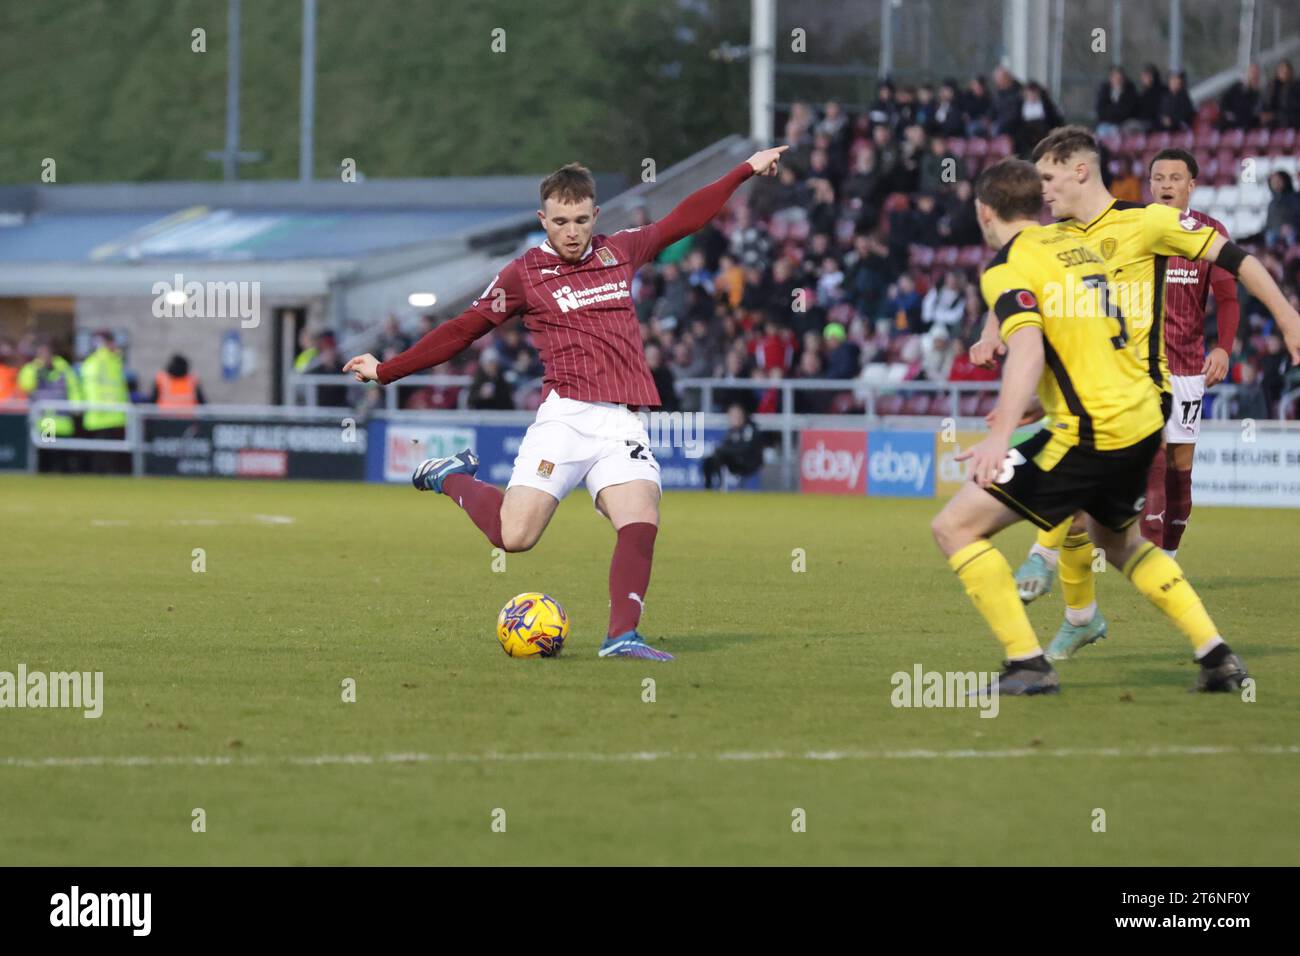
(1172, 554)
(1208, 646)
(1048, 554)
(1081, 615)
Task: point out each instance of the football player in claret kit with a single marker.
(1188, 284)
(574, 293)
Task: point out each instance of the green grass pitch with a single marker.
(229, 683)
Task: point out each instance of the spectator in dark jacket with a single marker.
(490, 388)
(863, 188)
(938, 168)
(1176, 109)
(1150, 95)
(741, 452)
(1038, 117)
(1116, 102)
(1007, 96)
(947, 119)
(1282, 102)
(1241, 104)
(1274, 363)
(1283, 220)
(843, 356)
(977, 107)
(904, 307)
(811, 401)
(925, 107)
(663, 376)
(884, 111)
(959, 226)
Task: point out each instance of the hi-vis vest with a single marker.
(103, 381)
(176, 392)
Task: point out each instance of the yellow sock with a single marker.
(1078, 584)
(1053, 539)
(985, 574)
(1161, 582)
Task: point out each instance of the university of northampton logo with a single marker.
(1108, 247)
(545, 468)
(605, 256)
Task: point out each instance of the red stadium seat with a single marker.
(1133, 143)
(1001, 147)
(1112, 143)
(532, 401)
(957, 147)
(1208, 112)
(1226, 173)
(940, 404)
(1158, 141)
(1208, 139)
(1207, 164)
(972, 257)
(969, 404)
(918, 403)
(988, 402)
(1183, 139)
(920, 257)
(844, 403)
(889, 404)
(1257, 141)
(1232, 139)
(977, 146)
(1283, 138)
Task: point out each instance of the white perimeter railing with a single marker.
(786, 422)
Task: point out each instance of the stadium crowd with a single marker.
(861, 260)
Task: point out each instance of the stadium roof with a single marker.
(297, 238)
(304, 235)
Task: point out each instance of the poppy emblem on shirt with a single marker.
(545, 468)
(605, 256)
(1026, 300)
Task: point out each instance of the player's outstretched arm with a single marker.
(1260, 284)
(693, 213)
(1023, 369)
(441, 345)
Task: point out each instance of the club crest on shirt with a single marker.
(605, 256)
(545, 468)
(1108, 247)
(1190, 224)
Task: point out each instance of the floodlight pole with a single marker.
(762, 70)
(307, 101)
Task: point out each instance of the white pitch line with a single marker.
(648, 756)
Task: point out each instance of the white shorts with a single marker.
(604, 443)
(1184, 425)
